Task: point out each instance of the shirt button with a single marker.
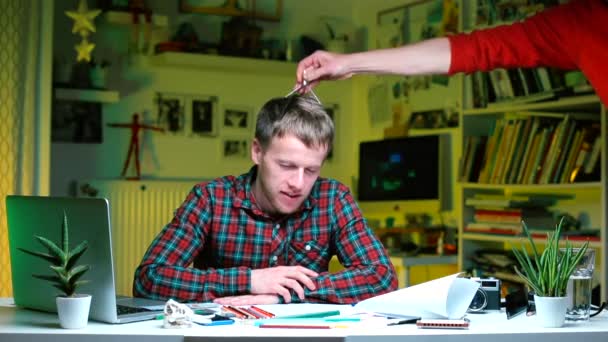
(274, 258)
(307, 247)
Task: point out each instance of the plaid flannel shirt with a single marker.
(220, 229)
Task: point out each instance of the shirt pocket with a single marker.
(313, 254)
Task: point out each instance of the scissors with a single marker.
(304, 84)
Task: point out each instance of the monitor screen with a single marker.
(399, 169)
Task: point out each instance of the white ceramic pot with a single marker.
(73, 311)
(551, 311)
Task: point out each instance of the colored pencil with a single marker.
(263, 312)
(294, 326)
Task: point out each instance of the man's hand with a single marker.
(280, 280)
(321, 65)
(248, 300)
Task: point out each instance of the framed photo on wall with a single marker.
(237, 118)
(236, 147)
(203, 115)
(332, 111)
(76, 122)
(171, 112)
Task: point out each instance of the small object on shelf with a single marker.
(135, 127)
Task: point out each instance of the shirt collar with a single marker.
(244, 194)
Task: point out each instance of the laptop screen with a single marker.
(88, 219)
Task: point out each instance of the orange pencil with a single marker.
(237, 313)
(264, 312)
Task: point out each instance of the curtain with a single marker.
(20, 83)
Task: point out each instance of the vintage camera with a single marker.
(487, 296)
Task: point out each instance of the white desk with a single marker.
(18, 325)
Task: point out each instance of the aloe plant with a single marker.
(63, 261)
(548, 272)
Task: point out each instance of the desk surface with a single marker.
(21, 325)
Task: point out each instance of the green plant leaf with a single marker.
(75, 254)
(64, 234)
(52, 247)
(77, 272)
(66, 275)
(549, 272)
(50, 258)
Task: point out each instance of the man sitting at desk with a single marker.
(267, 236)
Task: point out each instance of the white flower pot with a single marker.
(73, 311)
(551, 311)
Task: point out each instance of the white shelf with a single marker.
(225, 63)
(574, 103)
(534, 187)
(87, 95)
(516, 240)
(432, 131)
(125, 18)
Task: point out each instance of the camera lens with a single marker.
(479, 302)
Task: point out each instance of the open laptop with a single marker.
(88, 219)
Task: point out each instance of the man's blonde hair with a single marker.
(299, 115)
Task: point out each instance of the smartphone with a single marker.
(443, 323)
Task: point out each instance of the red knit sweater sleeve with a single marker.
(547, 38)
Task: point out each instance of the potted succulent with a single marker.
(72, 308)
(547, 273)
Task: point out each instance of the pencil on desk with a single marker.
(232, 310)
(294, 326)
(254, 314)
(263, 312)
(314, 314)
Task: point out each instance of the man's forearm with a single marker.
(428, 57)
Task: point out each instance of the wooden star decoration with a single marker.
(83, 19)
(84, 50)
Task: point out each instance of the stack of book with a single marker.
(509, 87)
(508, 221)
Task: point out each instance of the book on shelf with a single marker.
(528, 148)
(524, 201)
(494, 228)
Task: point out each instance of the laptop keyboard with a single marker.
(125, 310)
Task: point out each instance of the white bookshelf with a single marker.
(87, 95)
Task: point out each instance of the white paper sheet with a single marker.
(447, 297)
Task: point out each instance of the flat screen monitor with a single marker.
(399, 169)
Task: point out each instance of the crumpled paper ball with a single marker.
(177, 315)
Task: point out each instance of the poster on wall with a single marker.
(236, 147)
(187, 114)
(332, 111)
(76, 122)
(237, 118)
(170, 112)
(414, 22)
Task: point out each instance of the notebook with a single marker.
(88, 219)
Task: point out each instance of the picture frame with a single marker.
(76, 122)
(332, 110)
(429, 119)
(237, 118)
(416, 21)
(202, 115)
(170, 111)
(235, 147)
(268, 10)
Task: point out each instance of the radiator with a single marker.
(138, 211)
